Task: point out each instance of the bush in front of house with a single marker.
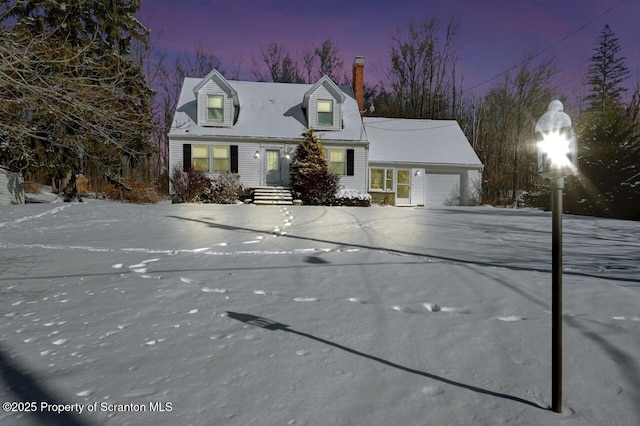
(352, 197)
(224, 188)
(195, 186)
(319, 188)
(311, 180)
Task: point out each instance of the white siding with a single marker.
(11, 188)
(475, 186)
(212, 88)
(359, 179)
(175, 154)
(249, 168)
(323, 93)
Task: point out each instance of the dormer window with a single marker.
(215, 108)
(325, 112)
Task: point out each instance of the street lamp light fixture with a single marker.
(557, 158)
(557, 151)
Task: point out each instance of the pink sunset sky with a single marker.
(493, 35)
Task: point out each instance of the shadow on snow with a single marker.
(274, 326)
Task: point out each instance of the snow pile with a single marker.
(352, 194)
(352, 197)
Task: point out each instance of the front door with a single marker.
(403, 187)
(273, 167)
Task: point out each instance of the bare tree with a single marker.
(281, 67)
(422, 74)
(504, 131)
(329, 61)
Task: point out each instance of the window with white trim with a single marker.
(337, 161)
(200, 157)
(325, 112)
(215, 108)
(221, 159)
(381, 180)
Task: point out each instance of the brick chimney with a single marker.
(358, 82)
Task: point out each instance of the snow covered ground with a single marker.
(241, 315)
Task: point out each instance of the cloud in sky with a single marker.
(494, 34)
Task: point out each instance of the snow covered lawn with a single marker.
(240, 315)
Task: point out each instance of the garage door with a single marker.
(442, 190)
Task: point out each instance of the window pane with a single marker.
(325, 106)
(325, 118)
(273, 160)
(200, 157)
(388, 179)
(221, 165)
(215, 107)
(337, 164)
(201, 164)
(337, 155)
(325, 112)
(221, 159)
(220, 152)
(377, 181)
(403, 177)
(200, 151)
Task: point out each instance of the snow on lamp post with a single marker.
(557, 158)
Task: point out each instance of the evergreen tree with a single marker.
(609, 141)
(311, 180)
(71, 94)
(606, 73)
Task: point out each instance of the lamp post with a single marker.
(557, 158)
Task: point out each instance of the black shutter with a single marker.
(186, 157)
(234, 158)
(350, 161)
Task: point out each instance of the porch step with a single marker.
(272, 195)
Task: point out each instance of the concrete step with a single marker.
(272, 195)
(272, 203)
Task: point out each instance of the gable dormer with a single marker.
(323, 105)
(217, 101)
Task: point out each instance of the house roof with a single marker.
(267, 111)
(418, 142)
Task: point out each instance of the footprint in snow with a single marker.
(623, 318)
(510, 318)
(214, 290)
(432, 307)
(402, 309)
(432, 390)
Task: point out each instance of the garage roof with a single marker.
(419, 142)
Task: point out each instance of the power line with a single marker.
(546, 48)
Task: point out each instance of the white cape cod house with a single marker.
(253, 128)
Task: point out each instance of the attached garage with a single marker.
(442, 189)
(421, 162)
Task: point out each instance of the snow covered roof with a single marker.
(418, 141)
(267, 110)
